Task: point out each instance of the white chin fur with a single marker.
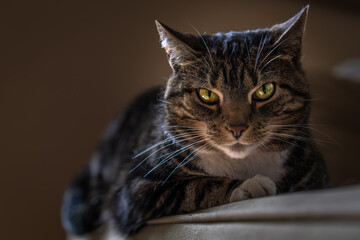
(233, 154)
(237, 154)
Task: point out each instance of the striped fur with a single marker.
(169, 153)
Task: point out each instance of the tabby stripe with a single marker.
(232, 185)
(242, 72)
(294, 111)
(174, 95)
(296, 170)
(200, 195)
(185, 117)
(306, 177)
(255, 79)
(187, 109)
(233, 75)
(292, 90)
(217, 182)
(181, 195)
(213, 78)
(191, 169)
(287, 117)
(224, 73)
(173, 201)
(159, 193)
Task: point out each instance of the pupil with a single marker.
(265, 89)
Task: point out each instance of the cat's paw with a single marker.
(258, 186)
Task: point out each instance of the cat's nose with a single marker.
(237, 129)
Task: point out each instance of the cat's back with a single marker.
(131, 130)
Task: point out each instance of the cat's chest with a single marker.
(266, 164)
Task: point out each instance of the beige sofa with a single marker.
(324, 214)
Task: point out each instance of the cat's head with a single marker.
(236, 92)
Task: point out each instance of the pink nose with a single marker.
(237, 130)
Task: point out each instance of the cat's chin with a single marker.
(237, 150)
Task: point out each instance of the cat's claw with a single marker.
(258, 186)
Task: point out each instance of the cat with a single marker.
(230, 124)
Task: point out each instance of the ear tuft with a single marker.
(176, 45)
(292, 31)
(164, 35)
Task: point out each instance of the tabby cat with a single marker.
(230, 124)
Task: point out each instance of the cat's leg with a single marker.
(258, 186)
(139, 199)
(80, 211)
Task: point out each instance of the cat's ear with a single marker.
(177, 46)
(290, 33)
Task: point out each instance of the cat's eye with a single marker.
(264, 92)
(207, 96)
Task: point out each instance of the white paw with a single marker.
(258, 186)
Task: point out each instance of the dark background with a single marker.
(66, 68)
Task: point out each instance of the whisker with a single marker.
(282, 140)
(308, 127)
(179, 126)
(185, 131)
(307, 133)
(192, 153)
(167, 145)
(280, 55)
(272, 51)
(186, 136)
(207, 48)
(258, 53)
(159, 143)
(184, 162)
(163, 101)
(182, 149)
(207, 65)
(268, 72)
(264, 145)
(182, 130)
(305, 139)
(192, 65)
(173, 154)
(152, 147)
(205, 73)
(205, 146)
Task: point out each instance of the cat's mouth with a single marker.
(236, 150)
(237, 147)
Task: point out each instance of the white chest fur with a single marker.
(268, 164)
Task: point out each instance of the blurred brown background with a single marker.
(66, 68)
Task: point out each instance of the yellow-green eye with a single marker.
(207, 96)
(264, 92)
